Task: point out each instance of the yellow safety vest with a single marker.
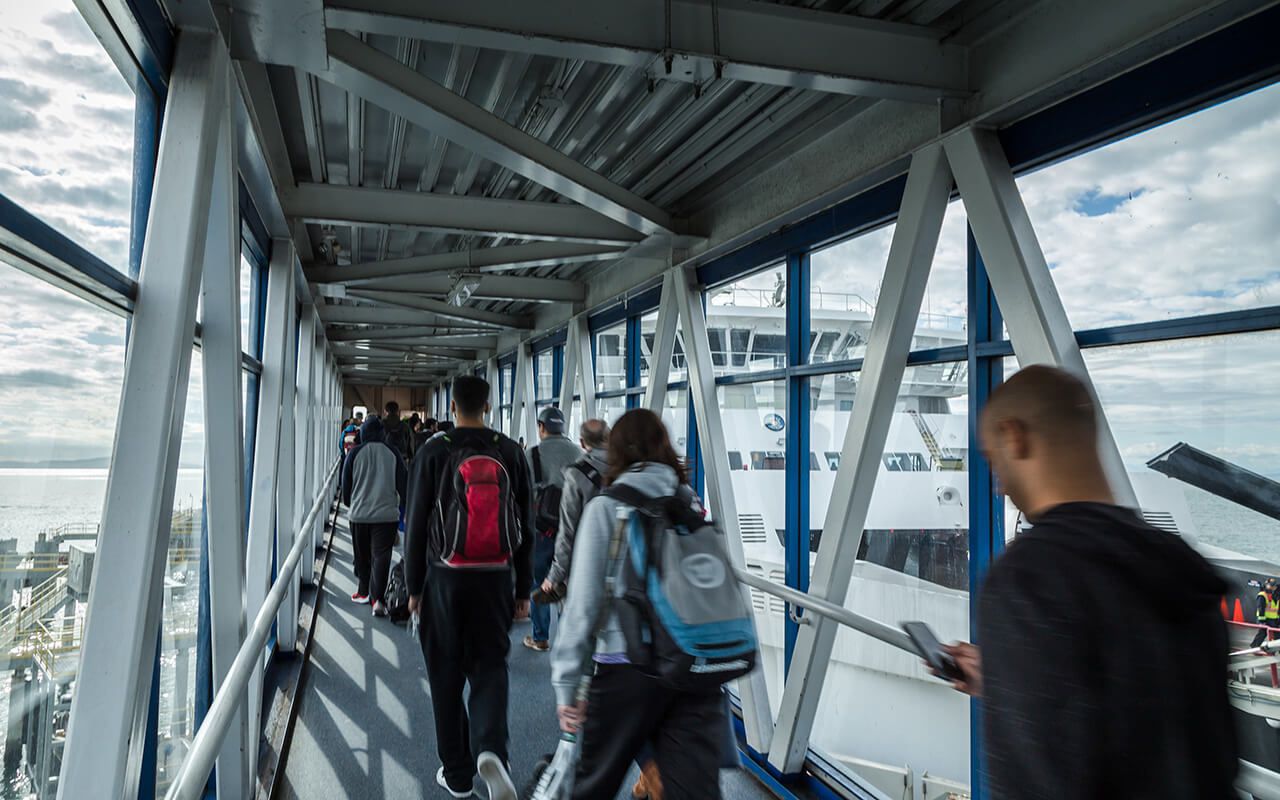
(1273, 607)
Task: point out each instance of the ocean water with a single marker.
(32, 500)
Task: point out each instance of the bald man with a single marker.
(1104, 656)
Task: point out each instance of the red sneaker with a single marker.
(363, 599)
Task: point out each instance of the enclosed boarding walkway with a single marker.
(813, 236)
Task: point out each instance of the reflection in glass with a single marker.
(66, 132)
(544, 376)
(648, 332)
(913, 564)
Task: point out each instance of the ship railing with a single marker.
(189, 782)
(1260, 782)
(18, 620)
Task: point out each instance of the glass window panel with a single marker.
(747, 323)
(754, 416)
(675, 415)
(1169, 222)
(66, 128)
(180, 619)
(913, 564)
(844, 286)
(61, 371)
(611, 358)
(247, 306)
(610, 408)
(648, 332)
(544, 373)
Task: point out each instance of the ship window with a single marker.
(719, 357)
(739, 343)
(813, 462)
(768, 459)
(735, 460)
(833, 460)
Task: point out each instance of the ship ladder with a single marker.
(944, 462)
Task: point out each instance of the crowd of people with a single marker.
(1071, 618)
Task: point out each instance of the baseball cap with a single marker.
(552, 419)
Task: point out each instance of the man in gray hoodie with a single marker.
(582, 481)
(373, 488)
(547, 461)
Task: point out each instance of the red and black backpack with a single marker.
(477, 520)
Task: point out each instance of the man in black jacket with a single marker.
(1103, 655)
(466, 614)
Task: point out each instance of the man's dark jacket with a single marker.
(425, 474)
(1104, 660)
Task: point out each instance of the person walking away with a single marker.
(582, 481)
(373, 487)
(350, 436)
(473, 483)
(425, 431)
(397, 431)
(1074, 706)
(1268, 613)
(627, 708)
(547, 462)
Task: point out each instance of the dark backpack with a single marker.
(546, 500)
(592, 474)
(397, 594)
(477, 519)
(680, 607)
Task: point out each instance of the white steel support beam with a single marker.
(484, 259)
(757, 717)
(489, 287)
(491, 375)
(425, 334)
(381, 315)
(462, 214)
(304, 494)
(103, 753)
(220, 348)
(287, 477)
(569, 371)
(266, 451)
(442, 309)
(1038, 326)
(586, 366)
(379, 78)
(664, 344)
(523, 414)
(915, 239)
(739, 40)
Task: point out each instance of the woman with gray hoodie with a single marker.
(627, 709)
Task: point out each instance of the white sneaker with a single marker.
(445, 785)
(379, 608)
(495, 776)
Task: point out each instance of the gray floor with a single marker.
(364, 727)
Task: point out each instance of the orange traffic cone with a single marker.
(1238, 616)
(1225, 614)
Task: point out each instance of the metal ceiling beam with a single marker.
(381, 315)
(492, 287)
(423, 332)
(443, 309)
(353, 205)
(369, 73)
(345, 350)
(740, 40)
(484, 259)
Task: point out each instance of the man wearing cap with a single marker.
(547, 461)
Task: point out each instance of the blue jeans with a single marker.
(544, 552)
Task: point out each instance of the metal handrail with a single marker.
(192, 776)
(1258, 781)
(871, 627)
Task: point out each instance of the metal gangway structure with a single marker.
(809, 234)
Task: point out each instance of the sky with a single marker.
(1180, 220)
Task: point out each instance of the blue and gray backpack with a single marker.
(681, 610)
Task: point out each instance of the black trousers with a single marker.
(626, 709)
(465, 625)
(1260, 636)
(373, 542)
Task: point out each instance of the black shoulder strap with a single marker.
(537, 464)
(589, 472)
(628, 495)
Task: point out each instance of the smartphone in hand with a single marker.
(931, 651)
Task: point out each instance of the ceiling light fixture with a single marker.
(464, 286)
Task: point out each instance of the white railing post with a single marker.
(664, 344)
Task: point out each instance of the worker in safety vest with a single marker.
(1268, 610)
